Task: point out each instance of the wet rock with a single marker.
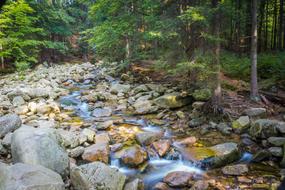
(276, 151)
(162, 186)
(97, 152)
(178, 179)
(135, 184)
(202, 95)
(134, 156)
(173, 100)
(261, 155)
(146, 138)
(188, 141)
(18, 101)
(238, 169)
(39, 147)
(162, 147)
(76, 152)
(29, 177)
(200, 185)
(96, 176)
(9, 123)
(241, 123)
(144, 107)
(255, 112)
(223, 154)
(102, 112)
(277, 141)
(120, 88)
(263, 128)
(224, 128)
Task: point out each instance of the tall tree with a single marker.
(254, 85)
(217, 48)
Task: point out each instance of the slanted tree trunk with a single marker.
(216, 99)
(254, 85)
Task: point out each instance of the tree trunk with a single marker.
(254, 86)
(281, 14)
(128, 49)
(275, 26)
(2, 58)
(216, 50)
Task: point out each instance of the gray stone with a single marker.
(224, 154)
(102, 112)
(146, 138)
(9, 123)
(68, 138)
(277, 141)
(135, 184)
(39, 146)
(255, 112)
(241, 123)
(76, 152)
(263, 128)
(144, 107)
(261, 155)
(120, 88)
(281, 127)
(96, 176)
(90, 134)
(3, 150)
(7, 140)
(29, 177)
(18, 101)
(173, 100)
(238, 169)
(276, 151)
(224, 128)
(140, 88)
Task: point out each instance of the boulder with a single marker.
(276, 151)
(202, 95)
(144, 107)
(277, 141)
(255, 112)
(102, 138)
(281, 127)
(97, 152)
(241, 123)
(179, 179)
(29, 177)
(102, 112)
(120, 88)
(95, 176)
(18, 101)
(140, 88)
(238, 169)
(215, 156)
(161, 147)
(173, 100)
(135, 184)
(76, 152)
(9, 123)
(224, 128)
(39, 146)
(146, 138)
(263, 128)
(134, 156)
(68, 138)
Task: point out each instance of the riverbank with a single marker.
(89, 130)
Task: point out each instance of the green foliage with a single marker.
(22, 66)
(18, 33)
(270, 65)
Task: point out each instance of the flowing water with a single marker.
(157, 167)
